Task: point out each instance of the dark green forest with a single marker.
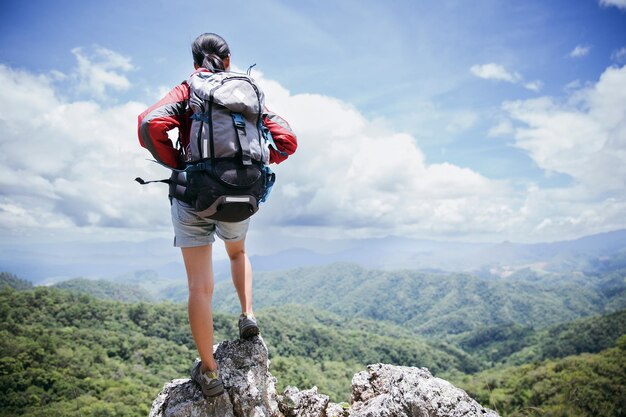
(578, 385)
(68, 353)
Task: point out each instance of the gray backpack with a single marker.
(226, 174)
(227, 118)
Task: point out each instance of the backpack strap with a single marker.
(244, 144)
(270, 139)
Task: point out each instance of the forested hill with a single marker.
(437, 303)
(62, 351)
(66, 353)
(106, 290)
(8, 280)
(516, 345)
(585, 385)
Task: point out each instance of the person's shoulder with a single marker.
(179, 92)
(271, 117)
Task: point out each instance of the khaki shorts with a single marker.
(191, 230)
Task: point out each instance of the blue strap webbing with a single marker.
(270, 139)
(202, 117)
(270, 178)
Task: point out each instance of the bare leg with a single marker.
(241, 272)
(198, 263)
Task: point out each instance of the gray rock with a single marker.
(249, 387)
(245, 372)
(306, 403)
(181, 397)
(336, 410)
(250, 391)
(399, 391)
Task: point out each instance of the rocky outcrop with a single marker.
(379, 391)
(250, 388)
(399, 391)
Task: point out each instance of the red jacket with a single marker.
(173, 111)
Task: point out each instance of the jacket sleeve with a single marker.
(284, 137)
(157, 120)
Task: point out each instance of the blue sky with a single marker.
(448, 120)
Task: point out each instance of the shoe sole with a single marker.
(249, 332)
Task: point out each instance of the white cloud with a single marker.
(101, 69)
(580, 51)
(494, 71)
(72, 168)
(572, 86)
(569, 211)
(619, 55)
(585, 139)
(621, 4)
(535, 86)
(73, 165)
(497, 72)
(503, 128)
(351, 177)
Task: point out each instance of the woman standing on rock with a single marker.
(195, 234)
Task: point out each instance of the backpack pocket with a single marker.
(227, 190)
(236, 175)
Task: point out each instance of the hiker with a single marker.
(195, 234)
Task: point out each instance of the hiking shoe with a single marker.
(247, 326)
(210, 381)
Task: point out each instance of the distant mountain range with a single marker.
(505, 257)
(122, 261)
(429, 303)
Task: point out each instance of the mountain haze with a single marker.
(53, 262)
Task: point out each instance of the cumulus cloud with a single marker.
(100, 69)
(73, 165)
(497, 72)
(583, 137)
(351, 176)
(494, 71)
(72, 168)
(580, 51)
(355, 177)
(621, 4)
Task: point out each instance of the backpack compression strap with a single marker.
(199, 166)
(142, 182)
(244, 144)
(166, 181)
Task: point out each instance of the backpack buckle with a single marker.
(238, 120)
